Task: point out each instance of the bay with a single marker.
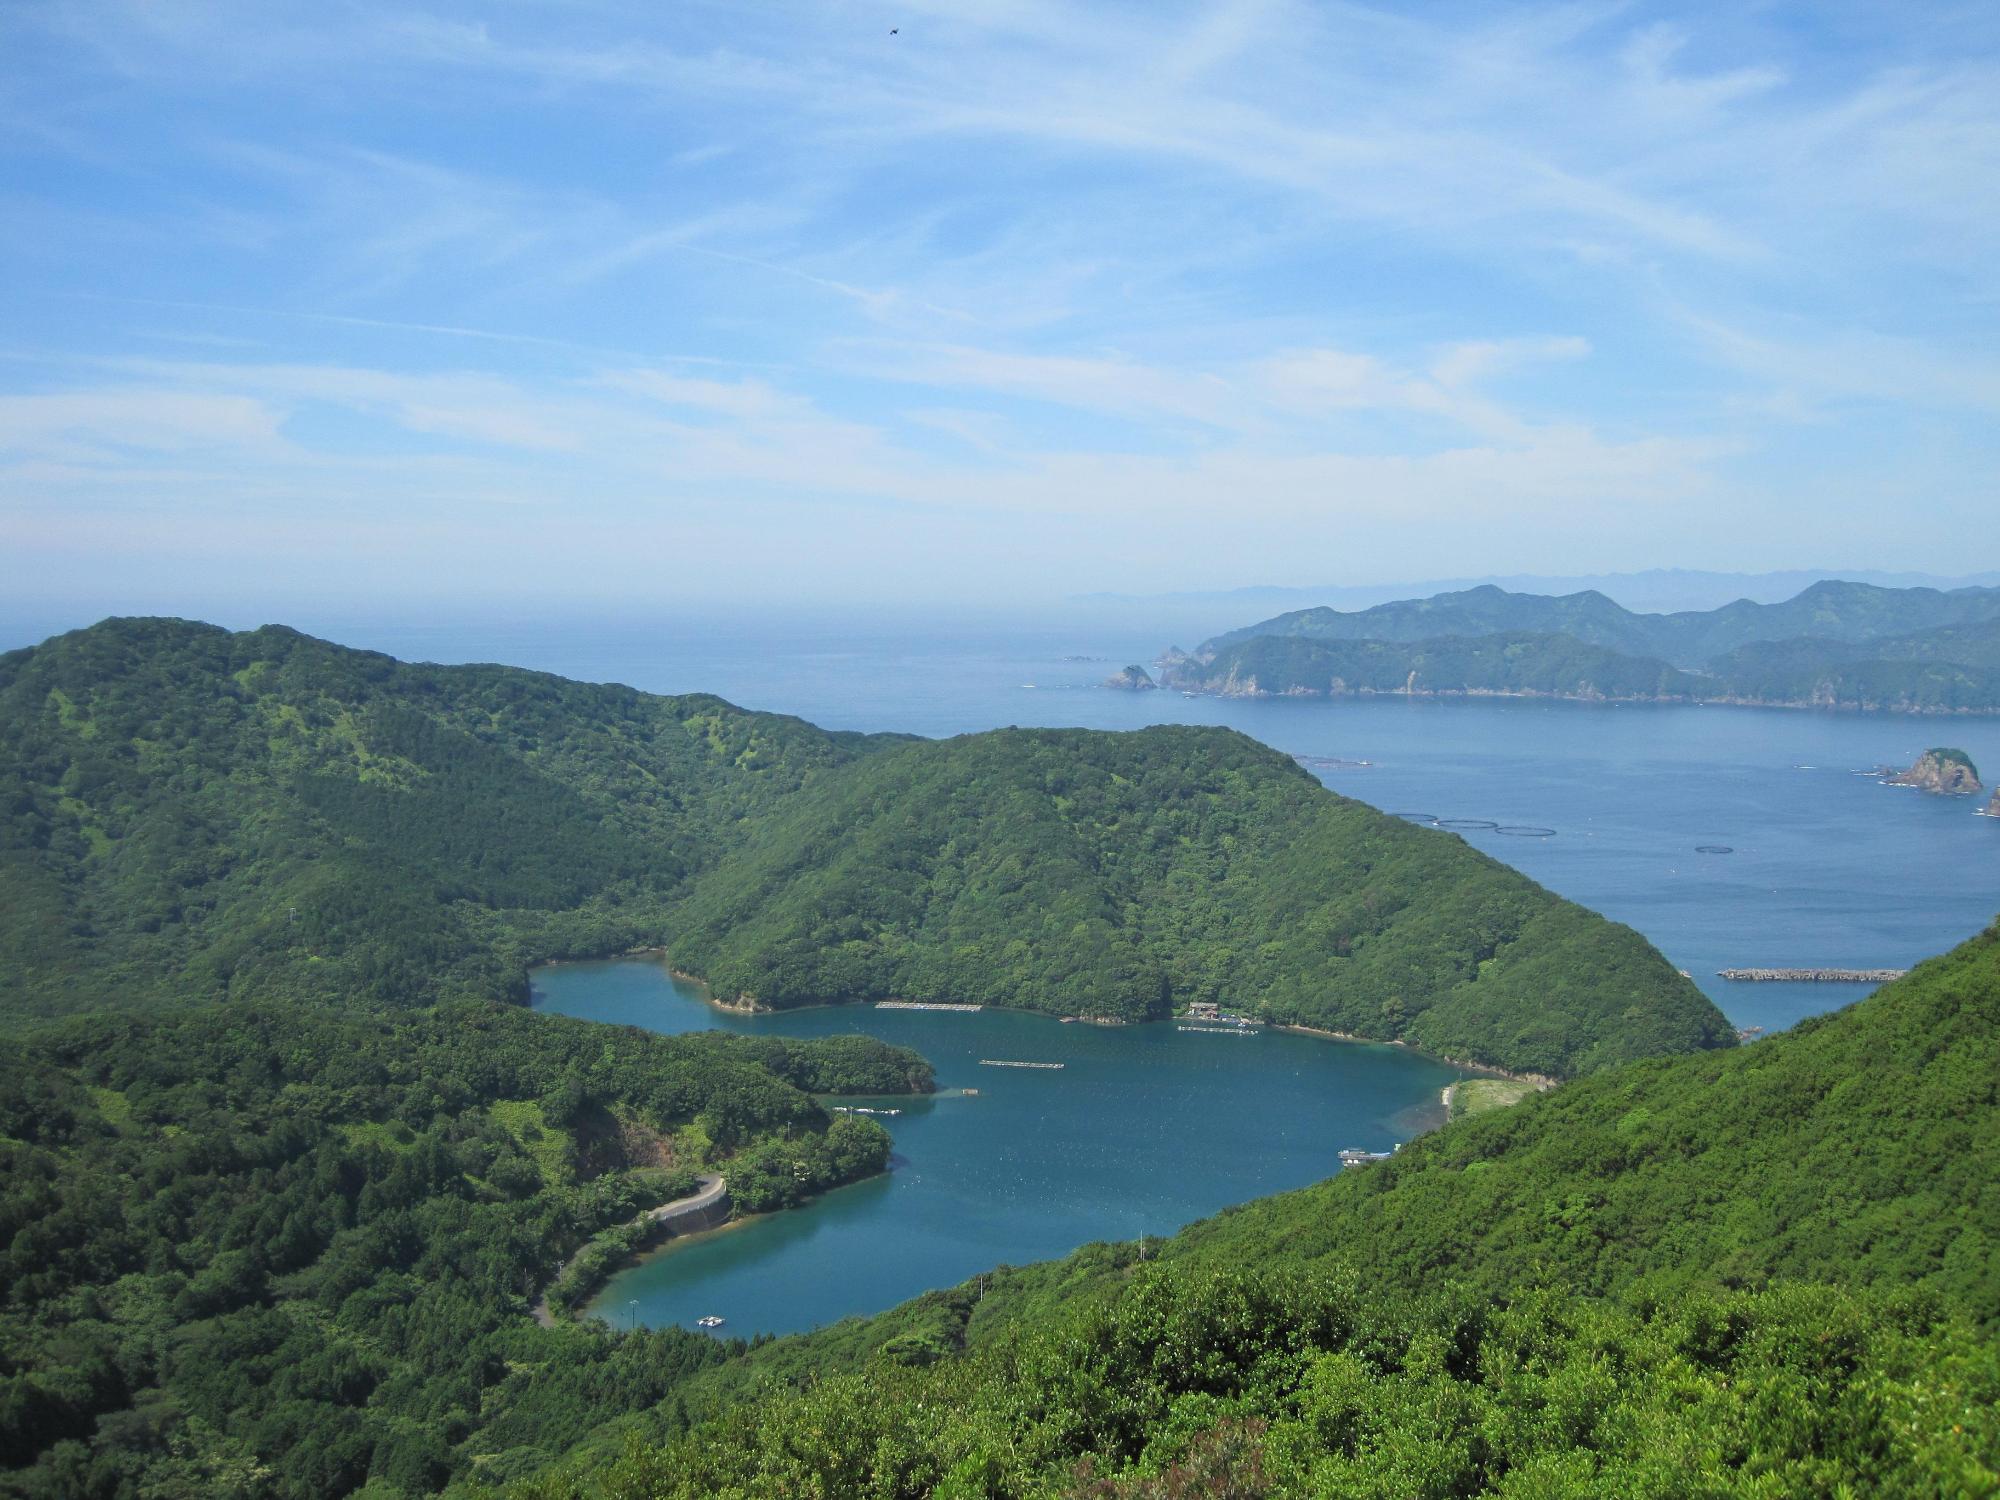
(1141, 1130)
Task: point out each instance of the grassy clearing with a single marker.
(1475, 1096)
(547, 1146)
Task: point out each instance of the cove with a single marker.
(1142, 1130)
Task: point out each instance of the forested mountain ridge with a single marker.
(191, 813)
(1513, 662)
(1836, 645)
(194, 814)
(1829, 610)
(1770, 1272)
(1121, 874)
(277, 1251)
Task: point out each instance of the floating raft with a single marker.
(995, 1062)
(923, 1005)
(1815, 976)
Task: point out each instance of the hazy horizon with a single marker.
(1141, 624)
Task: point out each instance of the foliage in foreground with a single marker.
(1280, 1384)
(272, 1252)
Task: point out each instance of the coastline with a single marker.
(672, 1243)
(1538, 696)
(749, 1005)
(1481, 1069)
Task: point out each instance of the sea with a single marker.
(1730, 837)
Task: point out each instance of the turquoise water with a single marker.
(1143, 1129)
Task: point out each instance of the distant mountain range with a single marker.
(1839, 643)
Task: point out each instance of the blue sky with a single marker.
(760, 301)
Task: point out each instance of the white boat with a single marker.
(711, 1321)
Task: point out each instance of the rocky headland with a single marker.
(1942, 770)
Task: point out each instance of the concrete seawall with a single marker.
(1814, 976)
(707, 1209)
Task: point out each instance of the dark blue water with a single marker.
(1143, 1129)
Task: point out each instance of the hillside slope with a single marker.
(1860, 1147)
(193, 814)
(1121, 874)
(277, 1252)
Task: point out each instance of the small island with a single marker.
(1132, 679)
(1941, 770)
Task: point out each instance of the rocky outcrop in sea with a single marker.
(1133, 679)
(1944, 771)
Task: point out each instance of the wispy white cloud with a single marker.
(1326, 265)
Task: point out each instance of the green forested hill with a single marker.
(1773, 1272)
(1837, 645)
(1831, 610)
(273, 1251)
(1588, 617)
(1512, 662)
(191, 813)
(1116, 874)
(194, 814)
(1939, 671)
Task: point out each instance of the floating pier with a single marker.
(996, 1062)
(1223, 1030)
(923, 1005)
(1814, 976)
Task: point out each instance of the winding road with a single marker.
(712, 1191)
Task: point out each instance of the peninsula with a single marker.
(201, 815)
(1837, 645)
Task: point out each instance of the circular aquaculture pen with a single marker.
(1524, 831)
(1714, 849)
(1416, 817)
(1485, 824)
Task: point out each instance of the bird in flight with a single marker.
(893, 30)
